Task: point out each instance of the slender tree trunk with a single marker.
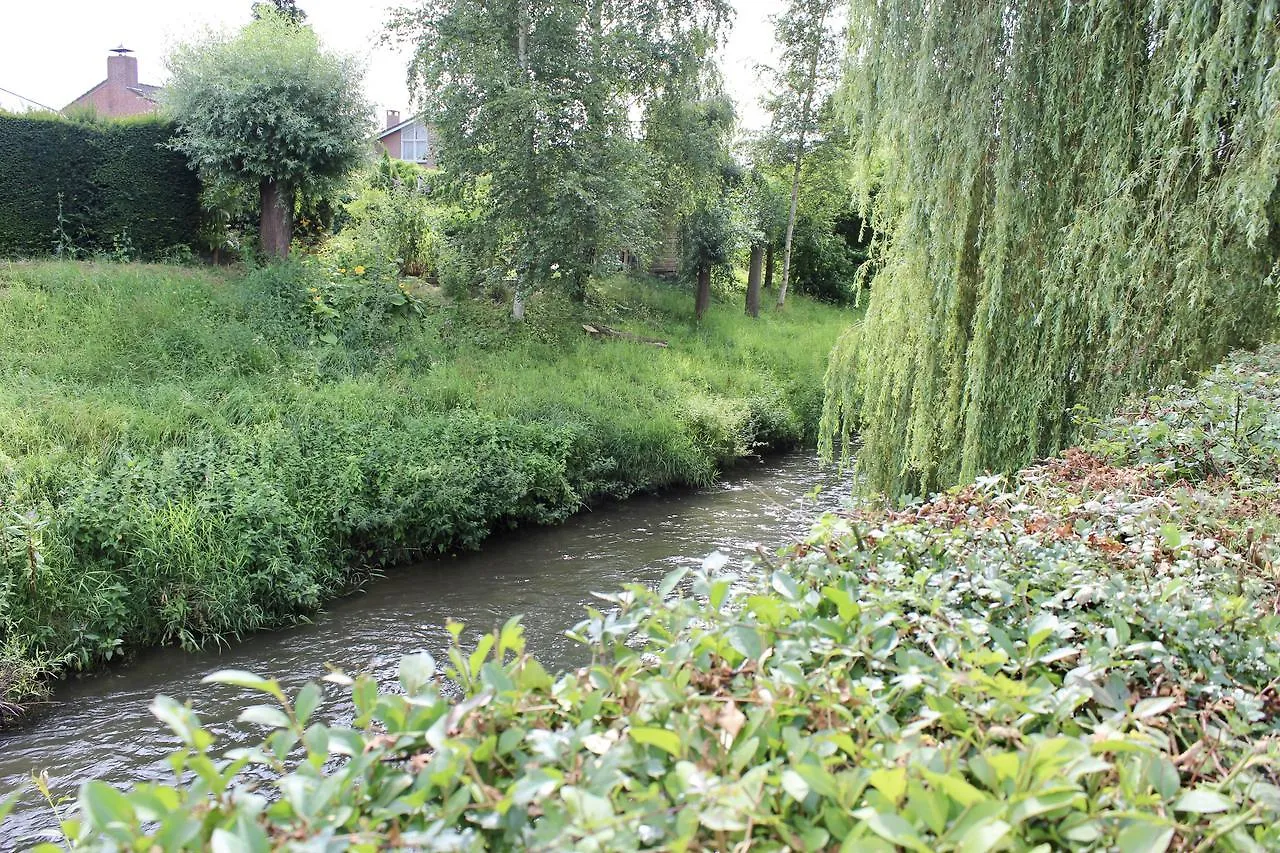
(703, 301)
(806, 112)
(768, 267)
(754, 275)
(522, 62)
(276, 229)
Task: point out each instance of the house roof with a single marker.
(146, 90)
(401, 126)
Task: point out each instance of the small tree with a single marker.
(269, 107)
(811, 53)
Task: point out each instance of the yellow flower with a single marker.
(342, 269)
(359, 270)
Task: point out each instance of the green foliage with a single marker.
(537, 98)
(1077, 202)
(269, 112)
(394, 217)
(268, 103)
(190, 455)
(1080, 658)
(84, 188)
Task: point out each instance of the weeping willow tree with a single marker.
(1078, 200)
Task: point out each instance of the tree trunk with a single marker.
(703, 301)
(754, 275)
(522, 62)
(806, 112)
(276, 229)
(768, 267)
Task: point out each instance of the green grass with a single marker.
(190, 454)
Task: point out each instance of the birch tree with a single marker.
(811, 49)
(538, 97)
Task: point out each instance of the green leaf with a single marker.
(247, 680)
(661, 738)
(793, 783)
(892, 828)
(672, 580)
(984, 836)
(1153, 707)
(1144, 838)
(265, 715)
(104, 806)
(417, 672)
(892, 782)
(1202, 801)
(785, 585)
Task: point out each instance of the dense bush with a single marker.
(188, 455)
(81, 187)
(1081, 658)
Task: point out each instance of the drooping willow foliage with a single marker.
(1078, 200)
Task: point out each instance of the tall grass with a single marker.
(187, 455)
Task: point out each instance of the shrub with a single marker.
(1083, 657)
(111, 187)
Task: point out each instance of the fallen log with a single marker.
(599, 330)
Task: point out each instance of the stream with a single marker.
(100, 727)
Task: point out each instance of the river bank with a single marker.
(191, 455)
(1082, 655)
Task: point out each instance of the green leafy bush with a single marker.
(1081, 658)
(189, 455)
(84, 187)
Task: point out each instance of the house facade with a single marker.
(120, 95)
(410, 140)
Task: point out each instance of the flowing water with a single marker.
(100, 727)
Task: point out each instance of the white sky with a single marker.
(52, 52)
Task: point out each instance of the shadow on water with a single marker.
(100, 727)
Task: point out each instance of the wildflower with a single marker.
(359, 270)
(342, 269)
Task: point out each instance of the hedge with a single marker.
(117, 181)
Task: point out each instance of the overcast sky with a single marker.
(53, 52)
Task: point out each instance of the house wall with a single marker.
(391, 144)
(111, 98)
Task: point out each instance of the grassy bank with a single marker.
(187, 455)
(1083, 656)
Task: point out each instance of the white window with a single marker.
(414, 145)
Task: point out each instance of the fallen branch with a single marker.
(601, 331)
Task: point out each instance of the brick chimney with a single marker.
(122, 69)
(393, 118)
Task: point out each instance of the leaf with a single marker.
(730, 720)
(1153, 707)
(329, 338)
(892, 782)
(104, 806)
(892, 828)
(265, 715)
(795, 786)
(956, 788)
(247, 680)
(417, 672)
(984, 836)
(1144, 838)
(672, 580)
(746, 641)
(661, 738)
(1202, 801)
(785, 585)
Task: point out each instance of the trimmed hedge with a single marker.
(118, 182)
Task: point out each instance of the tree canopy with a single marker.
(1078, 201)
(269, 107)
(539, 96)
